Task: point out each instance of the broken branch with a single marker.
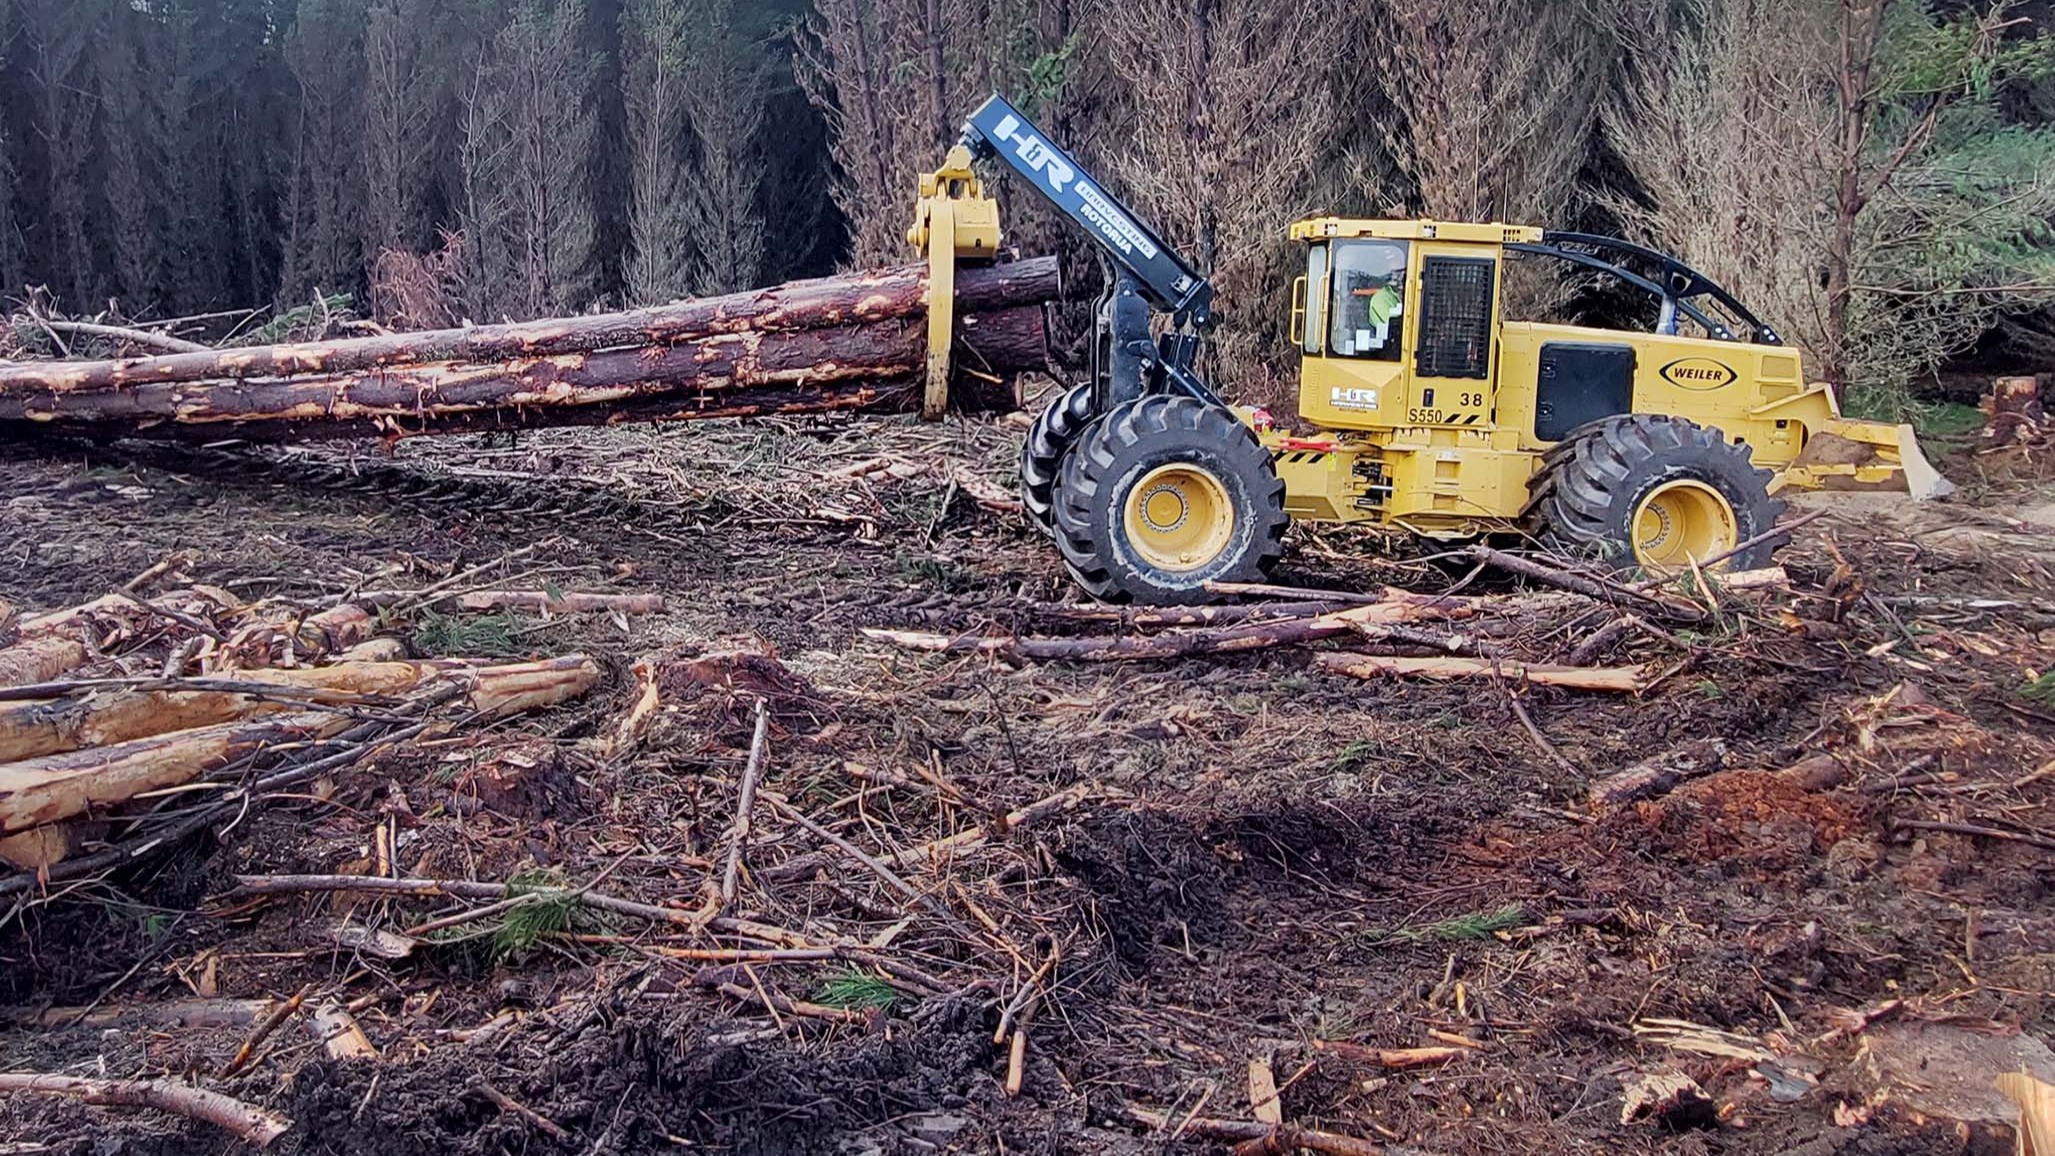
(1622, 679)
(246, 1121)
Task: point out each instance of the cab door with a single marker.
(1353, 330)
(1453, 350)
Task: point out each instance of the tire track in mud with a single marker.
(540, 499)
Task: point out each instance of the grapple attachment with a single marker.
(952, 219)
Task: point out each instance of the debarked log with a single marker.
(869, 366)
(33, 728)
(827, 302)
(44, 790)
(40, 659)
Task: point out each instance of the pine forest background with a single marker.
(1877, 177)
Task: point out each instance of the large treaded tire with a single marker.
(1593, 481)
(1057, 429)
(1139, 438)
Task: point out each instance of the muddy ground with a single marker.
(1267, 855)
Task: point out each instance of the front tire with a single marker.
(1659, 492)
(1049, 440)
(1164, 495)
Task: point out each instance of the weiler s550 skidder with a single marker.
(1661, 449)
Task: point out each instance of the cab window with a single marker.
(1368, 311)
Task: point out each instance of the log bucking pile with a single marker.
(850, 342)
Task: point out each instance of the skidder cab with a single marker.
(1439, 416)
(1432, 412)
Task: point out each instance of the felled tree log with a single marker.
(40, 660)
(499, 691)
(1661, 774)
(845, 343)
(1380, 621)
(32, 729)
(879, 295)
(690, 376)
(1390, 1057)
(569, 602)
(289, 642)
(35, 792)
(895, 395)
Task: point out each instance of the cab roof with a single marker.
(1321, 228)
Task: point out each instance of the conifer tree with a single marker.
(323, 249)
(726, 86)
(405, 47)
(656, 49)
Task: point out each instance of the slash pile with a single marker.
(127, 722)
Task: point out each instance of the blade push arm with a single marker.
(1166, 280)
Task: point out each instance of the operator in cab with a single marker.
(1383, 303)
(1370, 278)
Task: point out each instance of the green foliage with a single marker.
(524, 925)
(1047, 76)
(465, 634)
(1355, 756)
(1967, 53)
(1960, 226)
(856, 991)
(2040, 689)
(1946, 422)
(1473, 926)
(302, 322)
(943, 575)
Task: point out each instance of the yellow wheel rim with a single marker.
(1179, 517)
(1682, 522)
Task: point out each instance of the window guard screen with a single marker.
(1455, 317)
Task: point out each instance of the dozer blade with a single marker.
(1844, 454)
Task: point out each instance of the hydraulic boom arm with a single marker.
(1145, 275)
(997, 129)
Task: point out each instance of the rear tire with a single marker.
(1654, 491)
(1055, 431)
(1164, 495)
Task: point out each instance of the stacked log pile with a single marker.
(125, 721)
(852, 342)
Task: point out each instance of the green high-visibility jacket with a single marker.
(1383, 304)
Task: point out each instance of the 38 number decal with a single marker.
(1472, 400)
